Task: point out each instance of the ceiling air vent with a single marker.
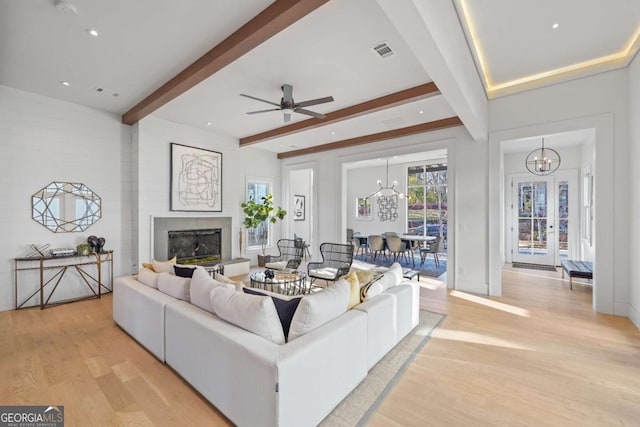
(383, 49)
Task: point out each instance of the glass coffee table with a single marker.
(286, 282)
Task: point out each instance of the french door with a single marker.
(533, 220)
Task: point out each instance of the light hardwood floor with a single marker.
(537, 356)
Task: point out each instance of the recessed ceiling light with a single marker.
(555, 25)
(421, 112)
(64, 83)
(281, 145)
(333, 132)
(92, 32)
(209, 123)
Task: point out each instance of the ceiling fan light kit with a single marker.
(288, 106)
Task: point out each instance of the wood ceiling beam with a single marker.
(398, 98)
(275, 18)
(375, 137)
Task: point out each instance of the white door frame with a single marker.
(603, 273)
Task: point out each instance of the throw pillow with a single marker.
(254, 313)
(148, 265)
(148, 277)
(354, 283)
(163, 266)
(319, 308)
(366, 276)
(396, 271)
(224, 279)
(181, 271)
(285, 308)
(201, 286)
(373, 289)
(177, 287)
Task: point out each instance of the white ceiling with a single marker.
(426, 156)
(141, 45)
(516, 39)
(144, 43)
(326, 53)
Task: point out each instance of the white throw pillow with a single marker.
(148, 277)
(224, 279)
(201, 286)
(254, 313)
(396, 271)
(164, 266)
(177, 287)
(319, 308)
(391, 278)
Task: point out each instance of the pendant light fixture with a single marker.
(543, 161)
(387, 199)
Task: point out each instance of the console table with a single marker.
(59, 265)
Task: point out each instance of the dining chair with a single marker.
(376, 246)
(433, 248)
(396, 247)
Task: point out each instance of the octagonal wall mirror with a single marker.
(65, 207)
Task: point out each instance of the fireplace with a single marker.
(162, 226)
(195, 244)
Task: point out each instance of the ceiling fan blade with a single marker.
(263, 111)
(258, 99)
(309, 113)
(314, 102)
(287, 94)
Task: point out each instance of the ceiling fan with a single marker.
(287, 105)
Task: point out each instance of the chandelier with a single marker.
(543, 161)
(387, 199)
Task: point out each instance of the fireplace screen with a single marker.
(195, 244)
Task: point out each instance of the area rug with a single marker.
(428, 268)
(533, 266)
(362, 402)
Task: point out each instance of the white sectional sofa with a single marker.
(249, 378)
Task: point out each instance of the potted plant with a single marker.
(257, 215)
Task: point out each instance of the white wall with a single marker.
(601, 102)
(152, 171)
(634, 189)
(301, 183)
(45, 140)
(467, 227)
(361, 182)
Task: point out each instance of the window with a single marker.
(256, 190)
(427, 200)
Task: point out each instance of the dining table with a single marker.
(404, 237)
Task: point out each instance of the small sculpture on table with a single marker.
(97, 243)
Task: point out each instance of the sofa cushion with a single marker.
(276, 265)
(148, 277)
(163, 266)
(324, 273)
(253, 313)
(183, 271)
(354, 284)
(177, 287)
(286, 308)
(224, 279)
(319, 308)
(201, 286)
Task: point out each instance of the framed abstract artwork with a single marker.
(298, 208)
(196, 179)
